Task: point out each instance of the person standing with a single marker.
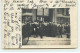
(41, 30)
(28, 28)
(26, 33)
(67, 28)
(60, 30)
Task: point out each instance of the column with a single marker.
(34, 15)
(55, 15)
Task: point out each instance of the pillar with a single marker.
(34, 15)
(54, 15)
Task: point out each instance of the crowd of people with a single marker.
(49, 29)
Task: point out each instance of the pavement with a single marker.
(49, 40)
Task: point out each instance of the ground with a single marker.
(49, 40)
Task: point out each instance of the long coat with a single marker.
(60, 30)
(53, 30)
(26, 30)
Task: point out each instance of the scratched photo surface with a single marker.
(39, 24)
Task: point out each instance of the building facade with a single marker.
(56, 15)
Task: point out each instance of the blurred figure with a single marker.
(45, 28)
(41, 29)
(49, 30)
(35, 29)
(67, 28)
(26, 33)
(53, 29)
(26, 30)
(60, 30)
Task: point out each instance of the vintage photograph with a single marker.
(46, 26)
(32, 24)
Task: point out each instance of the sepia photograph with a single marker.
(38, 24)
(46, 26)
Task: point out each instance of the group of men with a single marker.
(49, 29)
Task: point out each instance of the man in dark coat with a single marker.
(34, 30)
(41, 30)
(53, 29)
(46, 29)
(26, 33)
(49, 29)
(23, 31)
(60, 30)
(67, 28)
(28, 28)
